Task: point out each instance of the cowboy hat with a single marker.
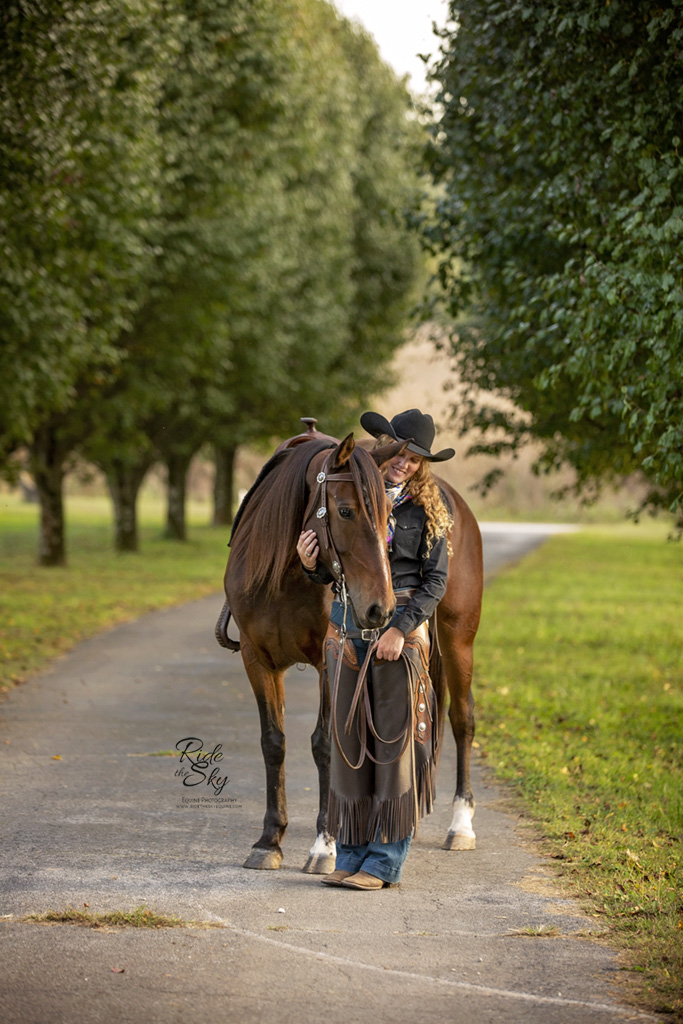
(413, 426)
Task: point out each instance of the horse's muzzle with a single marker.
(376, 616)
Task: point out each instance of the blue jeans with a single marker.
(384, 860)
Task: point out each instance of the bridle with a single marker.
(318, 501)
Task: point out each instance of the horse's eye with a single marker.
(346, 513)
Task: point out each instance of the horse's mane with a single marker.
(270, 518)
(274, 461)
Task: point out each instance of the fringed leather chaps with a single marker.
(383, 746)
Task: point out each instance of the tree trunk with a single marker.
(177, 465)
(47, 467)
(124, 482)
(224, 485)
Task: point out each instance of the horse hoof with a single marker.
(456, 842)
(263, 860)
(320, 864)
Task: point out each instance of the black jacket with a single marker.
(412, 566)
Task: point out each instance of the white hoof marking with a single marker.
(324, 846)
(461, 825)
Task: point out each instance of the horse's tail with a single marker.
(222, 629)
(437, 674)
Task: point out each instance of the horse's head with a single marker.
(348, 510)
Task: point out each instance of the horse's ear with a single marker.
(388, 451)
(342, 453)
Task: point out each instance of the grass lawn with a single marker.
(46, 611)
(579, 689)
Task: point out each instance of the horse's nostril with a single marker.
(376, 616)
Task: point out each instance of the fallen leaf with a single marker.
(118, 970)
(56, 757)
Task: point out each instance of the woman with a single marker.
(384, 733)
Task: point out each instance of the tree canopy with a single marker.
(558, 228)
(202, 206)
(79, 185)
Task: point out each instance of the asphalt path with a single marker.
(96, 815)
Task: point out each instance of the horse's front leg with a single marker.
(268, 687)
(457, 657)
(322, 855)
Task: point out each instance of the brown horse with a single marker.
(315, 482)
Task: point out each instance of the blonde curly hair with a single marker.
(425, 491)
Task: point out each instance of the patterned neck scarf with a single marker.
(397, 494)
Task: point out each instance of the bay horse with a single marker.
(336, 488)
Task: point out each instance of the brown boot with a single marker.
(364, 880)
(335, 878)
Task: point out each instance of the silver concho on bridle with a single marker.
(321, 513)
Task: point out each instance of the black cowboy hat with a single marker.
(411, 424)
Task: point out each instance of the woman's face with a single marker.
(402, 467)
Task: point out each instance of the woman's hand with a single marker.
(307, 549)
(390, 645)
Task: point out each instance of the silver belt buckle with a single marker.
(369, 634)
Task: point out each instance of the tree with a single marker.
(78, 185)
(347, 263)
(213, 198)
(218, 99)
(558, 224)
(387, 266)
(312, 318)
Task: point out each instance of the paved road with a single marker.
(90, 817)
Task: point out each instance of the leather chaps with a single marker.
(384, 736)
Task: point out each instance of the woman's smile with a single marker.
(402, 468)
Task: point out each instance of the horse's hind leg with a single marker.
(268, 688)
(457, 658)
(323, 853)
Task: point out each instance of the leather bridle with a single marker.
(318, 501)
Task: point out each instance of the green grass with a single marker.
(46, 611)
(579, 690)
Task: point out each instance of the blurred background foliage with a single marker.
(204, 236)
(556, 232)
(218, 216)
